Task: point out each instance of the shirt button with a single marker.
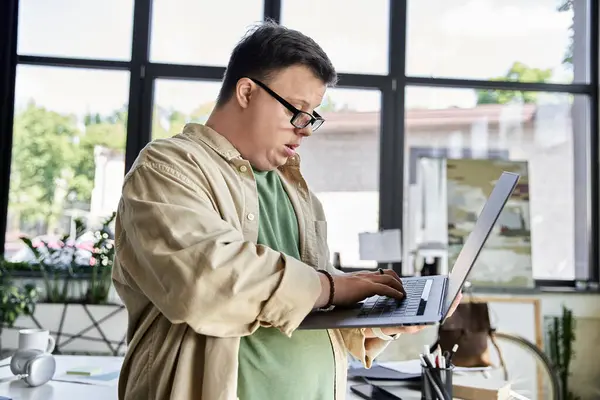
(250, 217)
(243, 168)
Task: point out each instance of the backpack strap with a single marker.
(495, 343)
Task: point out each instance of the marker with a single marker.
(454, 348)
(427, 353)
(434, 379)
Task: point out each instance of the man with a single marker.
(221, 245)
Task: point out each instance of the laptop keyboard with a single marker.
(381, 306)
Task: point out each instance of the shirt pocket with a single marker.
(321, 244)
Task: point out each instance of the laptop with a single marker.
(428, 298)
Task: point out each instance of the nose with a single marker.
(306, 131)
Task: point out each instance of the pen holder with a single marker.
(432, 378)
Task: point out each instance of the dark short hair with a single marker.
(268, 48)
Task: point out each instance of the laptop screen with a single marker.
(474, 243)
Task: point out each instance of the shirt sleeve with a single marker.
(362, 348)
(196, 268)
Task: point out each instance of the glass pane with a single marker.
(350, 48)
(193, 32)
(516, 40)
(177, 102)
(68, 152)
(77, 29)
(456, 147)
(347, 147)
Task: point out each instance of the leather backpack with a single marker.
(471, 329)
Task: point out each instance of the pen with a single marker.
(454, 348)
(447, 357)
(434, 378)
(427, 353)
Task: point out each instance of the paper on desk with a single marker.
(407, 367)
(414, 367)
(471, 369)
(104, 379)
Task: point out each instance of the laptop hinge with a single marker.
(443, 298)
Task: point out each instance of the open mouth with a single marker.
(291, 149)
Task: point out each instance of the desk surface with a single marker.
(53, 390)
(57, 390)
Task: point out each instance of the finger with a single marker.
(404, 329)
(457, 301)
(414, 329)
(394, 275)
(391, 272)
(385, 290)
(391, 281)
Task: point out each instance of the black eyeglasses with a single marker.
(300, 119)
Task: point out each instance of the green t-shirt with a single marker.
(271, 365)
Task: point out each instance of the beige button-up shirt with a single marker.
(193, 279)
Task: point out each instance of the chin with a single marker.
(268, 166)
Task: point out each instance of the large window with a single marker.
(69, 131)
(497, 39)
(177, 102)
(356, 39)
(347, 148)
(430, 91)
(76, 29)
(200, 32)
(539, 136)
(463, 124)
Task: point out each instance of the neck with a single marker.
(224, 121)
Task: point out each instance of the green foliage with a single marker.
(328, 105)
(14, 301)
(560, 333)
(53, 160)
(42, 150)
(167, 122)
(567, 6)
(519, 72)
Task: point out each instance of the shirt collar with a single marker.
(222, 146)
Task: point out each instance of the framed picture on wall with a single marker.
(505, 260)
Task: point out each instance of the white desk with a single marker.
(53, 390)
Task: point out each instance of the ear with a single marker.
(244, 89)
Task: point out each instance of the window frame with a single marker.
(393, 161)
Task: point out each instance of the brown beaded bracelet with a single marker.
(329, 306)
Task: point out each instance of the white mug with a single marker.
(38, 339)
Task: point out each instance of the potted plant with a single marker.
(14, 301)
(560, 333)
(77, 277)
(57, 263)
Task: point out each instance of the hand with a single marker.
(455, 304)
(352, 288)
(412, 329)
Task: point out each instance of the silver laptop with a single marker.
(428, 298)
